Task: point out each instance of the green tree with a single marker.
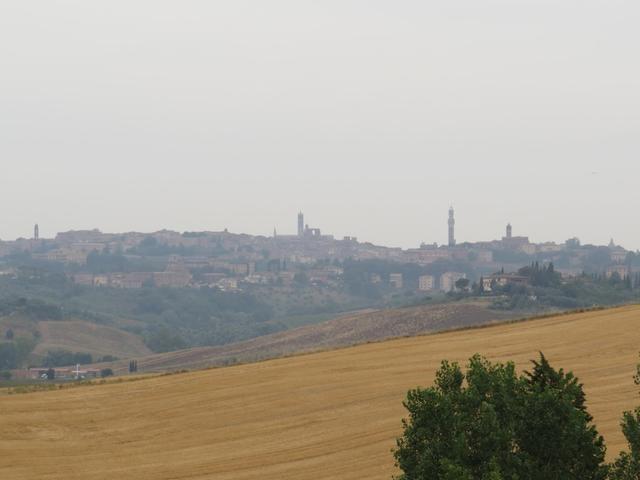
(627, 465)
(8, 356)
(163, 340)
(59, 358)
(24, 347)
(554, 429)
(490, 423)
(462, 283)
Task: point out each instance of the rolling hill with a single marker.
(81, 336)
(326, 415)
(347, 330)
(74, 336)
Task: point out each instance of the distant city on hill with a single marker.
(231, 262)
(164, 291)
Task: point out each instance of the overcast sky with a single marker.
(370, 116)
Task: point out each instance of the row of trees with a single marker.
(60, 358)
(489, 423)
(545, 288)
(34, 309)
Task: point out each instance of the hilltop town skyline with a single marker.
(373, 132)
(232, 261)
(450, 233)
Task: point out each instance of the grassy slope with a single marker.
(22, 327)
(318, 416)
(75, 336)
(356, 328)
(80, 336)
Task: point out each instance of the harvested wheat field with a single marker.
(319, 416)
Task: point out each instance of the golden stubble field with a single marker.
(320, 416)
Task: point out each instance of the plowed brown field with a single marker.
(325, 415)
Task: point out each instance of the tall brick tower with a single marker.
(300, 224)
(452, 227)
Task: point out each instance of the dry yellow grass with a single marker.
(319, 416)
(81, 336)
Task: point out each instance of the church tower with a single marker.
(452, 226)
(300, 224)
(36, 232)
(509, 231)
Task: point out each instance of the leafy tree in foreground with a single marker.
(627, 465)
(492, 424)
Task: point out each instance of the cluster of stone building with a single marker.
(426, 283)
(226, 260)
(134, 279)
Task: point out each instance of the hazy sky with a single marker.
(370, 116)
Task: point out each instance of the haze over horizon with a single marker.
(372, 117)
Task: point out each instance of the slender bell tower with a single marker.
(300, 224)
(36, 232)
(452, 228)
(509, 231)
